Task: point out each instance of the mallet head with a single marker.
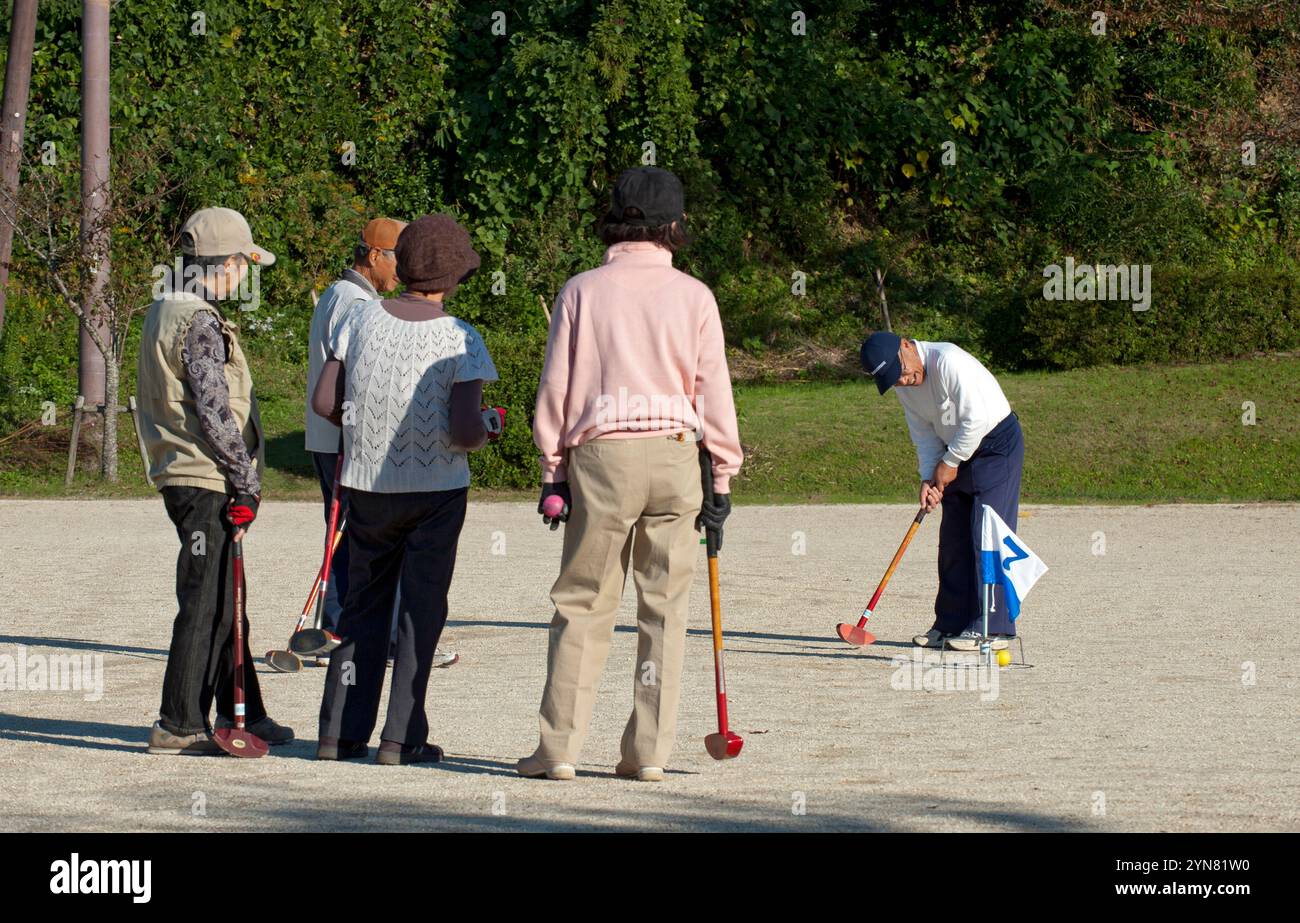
(283, 661)
(852, 634)
(724, 746)
(240, 742)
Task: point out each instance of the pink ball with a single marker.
(553, 506)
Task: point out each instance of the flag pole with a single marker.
(986, 646)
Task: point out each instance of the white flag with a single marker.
(1006, 560)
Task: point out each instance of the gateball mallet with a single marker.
(317, 640)
(286, 661)
(238, 740)
(725, 744)
(857, 635)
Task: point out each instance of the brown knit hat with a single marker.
(434, 254)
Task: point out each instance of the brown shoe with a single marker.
(164, 743)
(331, 748)
(391, 753)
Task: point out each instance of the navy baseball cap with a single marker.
(653, 192)
(880, 359)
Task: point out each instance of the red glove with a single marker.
(242, 510)
(494, 421)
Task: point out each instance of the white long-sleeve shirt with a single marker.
(353, 288)
(956, 406)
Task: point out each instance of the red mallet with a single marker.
(725, 744)
(238, 740)
(306, 642)
(857, 635)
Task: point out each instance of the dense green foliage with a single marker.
(820, 153)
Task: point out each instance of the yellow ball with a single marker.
(1004, 658)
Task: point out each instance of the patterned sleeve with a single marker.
(474, 364)
(204, 356)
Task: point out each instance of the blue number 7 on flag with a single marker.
(1018, 554)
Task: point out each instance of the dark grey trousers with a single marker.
(200, 662)
(407, 538)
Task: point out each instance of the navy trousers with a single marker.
(992, 476)
(324, 463)
(406, 539)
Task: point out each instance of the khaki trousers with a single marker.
(633, 499)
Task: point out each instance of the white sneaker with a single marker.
(640, 773)
(970, 641)
(443, 658)
(530, 767)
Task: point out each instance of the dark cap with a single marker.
(434, 254)
(655, 193)
(880, 359)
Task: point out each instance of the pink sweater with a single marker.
(636, 350)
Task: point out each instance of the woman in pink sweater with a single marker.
(635, 376)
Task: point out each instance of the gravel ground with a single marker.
(1159, 690)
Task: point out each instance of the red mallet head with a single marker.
(854, 634)
(240, 742)
(724, 746)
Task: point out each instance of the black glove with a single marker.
(713, 513)
(558, 489)
(242, 510)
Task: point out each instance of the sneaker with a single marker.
(932, 638)
(392, 753)
(530, 767)
(970, 641)
(640, 773)
(164, 743)
(331, 748)
(443, 658)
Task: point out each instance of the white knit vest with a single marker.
(396, 430)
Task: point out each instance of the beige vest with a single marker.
(179, 455)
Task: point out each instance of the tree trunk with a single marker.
(13, 117)
(108, 458)
(884, 303)
(95, 230)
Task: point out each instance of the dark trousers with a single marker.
(992, 476)
(407, 539)
(200, 663)
(337, 591)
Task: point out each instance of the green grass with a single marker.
(1126, 435)
(1114, 435)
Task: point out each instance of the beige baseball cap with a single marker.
(221, 232)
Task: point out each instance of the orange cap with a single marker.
(382, 233)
